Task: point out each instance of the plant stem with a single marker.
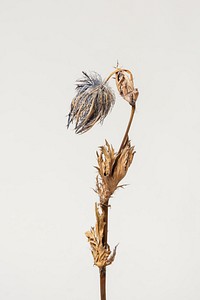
(102, 271)
(117, 70)
(104, 206)
(127, 129)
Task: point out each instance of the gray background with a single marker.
(47, 174)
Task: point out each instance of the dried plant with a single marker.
(92, 103)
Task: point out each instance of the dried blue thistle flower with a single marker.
(93, 101)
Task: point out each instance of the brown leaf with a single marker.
(111, 258)
(101, 254)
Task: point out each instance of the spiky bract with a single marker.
(112, 168)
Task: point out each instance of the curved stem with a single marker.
(117, 71)
(125, 138)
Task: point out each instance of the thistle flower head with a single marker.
(93, 101)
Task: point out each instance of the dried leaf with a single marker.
(101, 254)
(111, 258)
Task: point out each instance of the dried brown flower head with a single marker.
(93, 101)
(112, 168)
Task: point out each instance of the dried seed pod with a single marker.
(93, 101)
(125, 86)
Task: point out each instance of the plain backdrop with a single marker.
(46, 171)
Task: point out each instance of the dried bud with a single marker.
(92, 103)
(125, 86)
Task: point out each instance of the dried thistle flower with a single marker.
(93, 101)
